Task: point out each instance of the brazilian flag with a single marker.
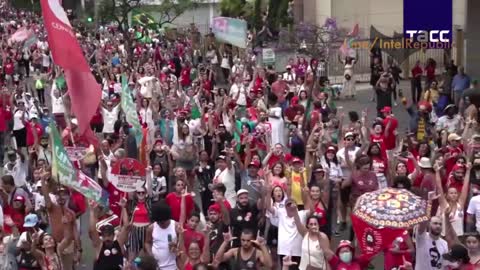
(144, 39)
(143, 19)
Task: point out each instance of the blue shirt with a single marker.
(460, 82)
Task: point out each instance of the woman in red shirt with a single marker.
(138, 213)
(34, 130)
(174, 198)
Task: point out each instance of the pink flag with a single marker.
(354, 31)
(83, 89)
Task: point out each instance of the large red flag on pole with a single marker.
(84, 91)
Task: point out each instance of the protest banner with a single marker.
(62, 168)
(128, 174)
(129, 107)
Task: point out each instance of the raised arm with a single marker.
(92, 230)
(466, 186)
(300, 227)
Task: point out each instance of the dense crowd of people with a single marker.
(246, 167)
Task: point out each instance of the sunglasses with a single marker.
(141, 192)
(349, 139)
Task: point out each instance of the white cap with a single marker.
(241, 191)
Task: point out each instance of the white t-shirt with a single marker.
(45, 60)
(242, 99)
(18, 172)
(429, 252)
(227, 177)
(109, 119)
(289, 239)
(451, 125)
(343, 162)
(474, 209)
(57, 103)
(17, 119)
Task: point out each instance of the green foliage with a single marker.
(232, 8)
(27, 5)
(278, 16)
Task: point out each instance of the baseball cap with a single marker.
(458, 252)
(297, 160)
(74, 121)
(19, 198)
(241, 191)
(255, 163)
(349, 134)
(454, 137)
(386, 109)
(30, 221)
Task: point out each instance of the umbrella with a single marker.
(391, 207)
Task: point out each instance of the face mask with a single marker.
(346, 257)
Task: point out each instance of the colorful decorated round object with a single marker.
(390, 207)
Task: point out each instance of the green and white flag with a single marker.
(62, 169)
(130, 110)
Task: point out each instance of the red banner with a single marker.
(373, 240)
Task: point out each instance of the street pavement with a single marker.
(361, 101)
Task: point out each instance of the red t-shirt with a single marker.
(191, 235)
(430, 70)
(357, 264)
(4, 117)
(380, 139)
(185, 76)
(390, 138)
(274, 159)
(278, 88)
(417, 70)
(30, 127)
(9, 68)
(141, 214)
(394, 260)
(173, 200)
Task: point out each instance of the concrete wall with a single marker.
(385, 15)
(472, 39)
(201, 16)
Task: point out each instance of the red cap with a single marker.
(19, 198)
(344, 243)
(332, 149)
(255, 163)
(386, 109)
(214, 208)
(296, 159)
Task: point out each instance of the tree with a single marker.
(310, 39)
(117, 11)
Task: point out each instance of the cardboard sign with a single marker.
(128, 174)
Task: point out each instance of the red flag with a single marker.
(83, 89)
(373, 240)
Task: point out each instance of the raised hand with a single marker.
(287, 261)
(227, 237)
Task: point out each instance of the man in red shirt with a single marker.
(279, 89)
(417, 72)
(391, 124)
